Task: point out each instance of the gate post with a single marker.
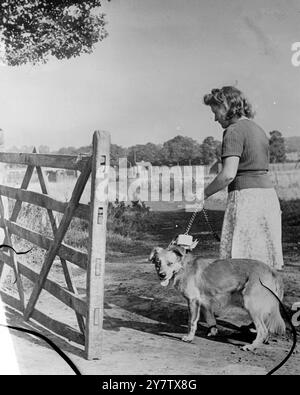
(5, 270)
(97, 244)
(2, 179)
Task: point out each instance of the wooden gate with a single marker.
(88, 308)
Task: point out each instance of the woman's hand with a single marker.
(198, 199)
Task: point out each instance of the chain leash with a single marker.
(193, 217)
(213, 232)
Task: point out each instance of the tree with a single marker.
(277, 147)
(116, 152)
(181, 150)
(210, 150)
(27, 148)
(144, 152)
(44, 149)
(33, 30)
(85, 149)
(67, 151)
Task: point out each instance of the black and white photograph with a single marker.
(149, 190)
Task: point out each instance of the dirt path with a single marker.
(143, 325)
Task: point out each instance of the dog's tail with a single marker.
(292, 326)
(272, 317)
(274, 322)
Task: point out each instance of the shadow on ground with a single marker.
(162, 318)
(14, 318)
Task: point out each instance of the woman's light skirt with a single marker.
(252, 227)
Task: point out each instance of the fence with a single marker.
(88, 308)
(287, 166)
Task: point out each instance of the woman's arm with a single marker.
(225, 177)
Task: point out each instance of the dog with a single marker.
(206, 285)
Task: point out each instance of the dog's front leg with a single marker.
(194, 312)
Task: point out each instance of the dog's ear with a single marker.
(194, 244)
(179, 251)
(154, 252)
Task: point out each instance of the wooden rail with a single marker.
(39, 199)
(69, 162)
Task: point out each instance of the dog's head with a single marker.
(167, 262)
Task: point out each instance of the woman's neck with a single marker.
(234, 120)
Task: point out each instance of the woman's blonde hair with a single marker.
(233, 100)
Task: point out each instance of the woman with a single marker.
(252, 220)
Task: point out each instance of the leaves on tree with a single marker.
(31, 31)
(277, 147)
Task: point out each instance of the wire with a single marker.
(17, 252)
(37, 334)
(54, 346)
(293, 330)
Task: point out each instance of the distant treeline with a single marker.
(293, 144)
(180, 150)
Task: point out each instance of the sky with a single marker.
(145, 82)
